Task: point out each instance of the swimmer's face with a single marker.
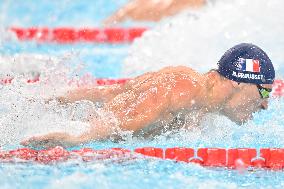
(245, 101)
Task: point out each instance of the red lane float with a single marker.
(269, 158)
(99, 82)
(278, 88)
(66, 35)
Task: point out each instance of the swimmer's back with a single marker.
(183, 83)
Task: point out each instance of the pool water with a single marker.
(21, 118)
(140, 173)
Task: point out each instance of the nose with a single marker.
(264, 105)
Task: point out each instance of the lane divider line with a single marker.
(234, 158)
(69, 35)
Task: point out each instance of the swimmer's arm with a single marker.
(96, 94)
(133, 110)
(101, 128)
(51, 140)
(151, 10)
(133, 119)
(97, 132)
(101, 93)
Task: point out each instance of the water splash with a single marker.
(198, 39)
(23, 111)
(23, 108)
(194, 40)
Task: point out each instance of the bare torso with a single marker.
(147, 105)
(158, 102)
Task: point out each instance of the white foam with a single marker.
(23, 111)
(22, 64)
(198, 39)
(191, 39)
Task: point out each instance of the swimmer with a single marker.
(239, 87)
(152, 10)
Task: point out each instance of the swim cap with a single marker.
(247, 63)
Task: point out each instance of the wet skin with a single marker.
(241, 106)
(153, 96)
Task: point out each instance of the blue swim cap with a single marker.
(247, 63)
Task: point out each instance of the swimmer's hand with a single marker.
(51, 140)
(151, 10)
(59, 100)
(139, 10)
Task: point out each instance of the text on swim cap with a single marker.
(248, 76)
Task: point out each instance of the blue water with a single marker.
(265, 130)
(102, 61)
(57, 13)
(135, 174)
(65, 13)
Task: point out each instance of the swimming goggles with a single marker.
(264, 92)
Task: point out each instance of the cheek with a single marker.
(237, 101)
(237, 114)
(248, 98)
(240, 107)
(240, 104)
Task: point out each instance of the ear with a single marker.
(235, 84)
(213, 75)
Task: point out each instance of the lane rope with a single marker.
(235, 158)
(67, 35)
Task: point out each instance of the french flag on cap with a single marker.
(250, 65)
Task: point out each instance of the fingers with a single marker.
(25, 142)
(41, 142)
(35, 143)
(123, 13)
(119, 16)
(60, 100)
(51, 140)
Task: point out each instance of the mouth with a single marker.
(262, 107)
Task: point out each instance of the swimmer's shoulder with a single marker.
(181, 71)
(177, 69)
(183, 75)
(186, 73)
(187, 85)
